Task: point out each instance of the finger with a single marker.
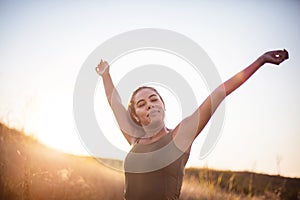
(277, 52)
(286, 54)
(282, 55)
(278, 56)
(280, 59)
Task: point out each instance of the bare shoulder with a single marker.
(183, 136)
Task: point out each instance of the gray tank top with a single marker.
(154, 171)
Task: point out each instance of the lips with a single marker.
(153, 112)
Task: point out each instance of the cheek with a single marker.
(161, 105)
(139, 113)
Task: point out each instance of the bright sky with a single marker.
(43, 46)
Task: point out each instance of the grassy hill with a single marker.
(30, 170)
(239, 185)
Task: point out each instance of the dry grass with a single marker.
(194, 189)
(209, 184)
(30, 170)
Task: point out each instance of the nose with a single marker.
(149, 107)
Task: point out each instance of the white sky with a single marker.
(43, 45)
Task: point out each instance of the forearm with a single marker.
(117, 107)
(114, 100)
(238, 79)
(226, 88)
(203, 114)
(212, 102)
(110, 90)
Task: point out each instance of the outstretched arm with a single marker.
(114, 101)
(195, 123)
(272, 57)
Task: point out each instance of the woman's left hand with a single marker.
(275, 57)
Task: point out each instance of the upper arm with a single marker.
(128, 137)
(126, 125)
(190, 127)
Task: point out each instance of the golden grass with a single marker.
(30, 170)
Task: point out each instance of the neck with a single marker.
(148, 139)
(154, 129)
(154, 135)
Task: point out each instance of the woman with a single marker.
(154, 167)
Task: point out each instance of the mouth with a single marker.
(153, 112)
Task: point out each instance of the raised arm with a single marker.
(194, 124)
(115, 102)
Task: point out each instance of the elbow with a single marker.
(220, 93)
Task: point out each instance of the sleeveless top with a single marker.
(154, 171)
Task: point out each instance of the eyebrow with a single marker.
(152, 95)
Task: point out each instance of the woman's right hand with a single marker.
(102, 67)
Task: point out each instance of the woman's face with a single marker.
(149, 108)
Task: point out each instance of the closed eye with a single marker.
(141, 104)
(153, 97)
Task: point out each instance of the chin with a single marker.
(154, 126)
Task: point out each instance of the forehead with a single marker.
(143, 94)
